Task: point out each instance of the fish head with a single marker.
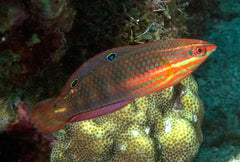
(190, 54)
(198, 53)
(202, 49)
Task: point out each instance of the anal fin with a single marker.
(99, 112)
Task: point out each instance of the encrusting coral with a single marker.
(7, 115)
(165, 126)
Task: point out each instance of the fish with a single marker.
(114, 78)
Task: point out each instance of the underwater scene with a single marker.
(120, 80)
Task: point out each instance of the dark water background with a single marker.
(219, 84)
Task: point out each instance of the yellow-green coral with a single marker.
(148, 129)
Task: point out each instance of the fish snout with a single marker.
(211, 47)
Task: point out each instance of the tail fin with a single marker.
(44, 118)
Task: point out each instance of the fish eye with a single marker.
(74, 83)
(198, 51)
(111, 56)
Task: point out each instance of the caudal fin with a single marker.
(44, 118)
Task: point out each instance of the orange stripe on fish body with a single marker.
(114, 78)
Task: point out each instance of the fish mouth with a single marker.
(211, 47)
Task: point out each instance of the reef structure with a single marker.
(32, 36)
(165, 126)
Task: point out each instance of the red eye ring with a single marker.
(199, 50)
